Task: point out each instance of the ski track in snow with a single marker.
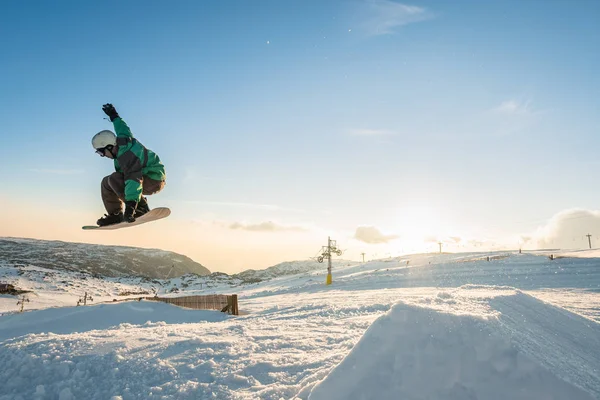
(362, 337)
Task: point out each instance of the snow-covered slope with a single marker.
(430, 353)
(96, 259)
(285, 269)
(63, 287)
(445, 326)
(58, 288)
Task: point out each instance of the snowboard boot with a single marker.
(142, 207)
(110, 219)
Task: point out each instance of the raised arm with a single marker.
(121, 128)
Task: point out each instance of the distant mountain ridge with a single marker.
(284, 269)
(111, 261)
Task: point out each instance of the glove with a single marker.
(130, 207)
(109, 110)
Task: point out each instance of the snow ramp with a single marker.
(518, 348)
(66, 320)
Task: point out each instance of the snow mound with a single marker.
(422, 353)
(82, 319)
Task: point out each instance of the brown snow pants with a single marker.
(113, 190)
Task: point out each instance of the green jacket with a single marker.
(135, 161)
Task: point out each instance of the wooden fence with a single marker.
(221, 302)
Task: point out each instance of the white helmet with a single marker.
(103, 139)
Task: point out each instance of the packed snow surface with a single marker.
(416, 353)
(445, 326)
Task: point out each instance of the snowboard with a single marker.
(152, 215)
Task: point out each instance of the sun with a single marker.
(418, 223)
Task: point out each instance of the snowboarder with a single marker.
(139, 172)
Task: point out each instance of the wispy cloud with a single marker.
(385, 16)
(445, 239)
(267, 226)
(484, 243)
(524, 239)
(371, 132)
(57, 171)
(511, 116)
(514, 107)
(252, 206)
(372, 235)
(456, 242)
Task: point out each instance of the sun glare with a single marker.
(418, 223)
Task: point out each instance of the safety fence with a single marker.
(220, 302)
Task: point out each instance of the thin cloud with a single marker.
(524, 239)
(446, 240)
(57, 171)
(462, 242)
(511, 116)
(372, 235)
(386, 16)
(267, 226)
(481, 243)
(514, 107)
(266, 207)
(431, 239)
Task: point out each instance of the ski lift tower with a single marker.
(326, 253)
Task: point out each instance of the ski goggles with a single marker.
(101, 151)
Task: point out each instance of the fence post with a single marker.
(234, 301)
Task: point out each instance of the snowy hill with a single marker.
(60, 287)
(429, 326)
(97, 259)
(284, 269)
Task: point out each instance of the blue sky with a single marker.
(464, 118)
